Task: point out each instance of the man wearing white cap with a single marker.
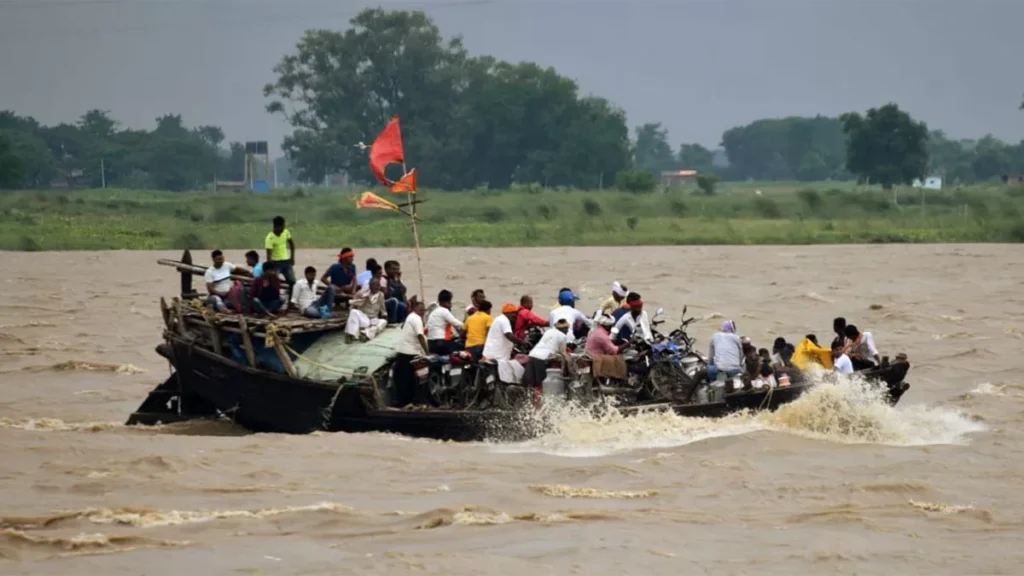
(613, 302)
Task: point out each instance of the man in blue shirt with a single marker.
(252, 258)
(342, 275)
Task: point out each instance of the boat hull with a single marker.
(264, 401)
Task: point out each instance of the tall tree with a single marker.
(886, 146)
(696, 157)
(794, 148)
(12, 171)
(652, 151)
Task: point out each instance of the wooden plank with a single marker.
(285, 359)
(181, 316)
(250, 354)
(215, 337)
(165, 311)
(186, 279)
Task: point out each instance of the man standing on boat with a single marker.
(579, 323)
(526, 318)
(443, 327)
(413, 343)
(553, 343)
(629, 322)
(501, 343)
(281, 250)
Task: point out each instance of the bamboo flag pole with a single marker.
(416, 240)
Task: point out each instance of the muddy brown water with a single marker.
(835, 483)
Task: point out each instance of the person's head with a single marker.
(636, 306)
(510, 311)
(375, 283)
(371, 263)
(567, 297)
(748, 347)
(812, 338)
(444, 299)
(416, 305)
(839, 325)
(485, 307)
(851, 332)
(376, 271)
(562, 326)
(764, 354)
(477, 297)
(607, 321)
(779, 344)
(278, 224)
(252, 257)
(729, 327)
(218, 258)
(269, 269)
(392, 269)
(346, 256)
(619, 291)
(837, 350)
(526, 302)
(310, 274)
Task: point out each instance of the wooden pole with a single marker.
(250, 354)
(416, 239)
(285, 359)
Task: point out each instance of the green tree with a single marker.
(886, 146)
(707, 183)
(696, 157)
(635, 180)
(12, 172)
(794, 148)
(652, 151)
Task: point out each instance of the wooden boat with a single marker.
(254, 372)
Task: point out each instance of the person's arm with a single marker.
(294, 302)
(711, 349)
(291, 249)
(451, 319)
(870, 340)
(532, 318)
(586, 320)
(618, 326)
(512, 337)
(257, 287)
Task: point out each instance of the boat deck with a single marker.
(192, 314)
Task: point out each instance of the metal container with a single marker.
(554, 384)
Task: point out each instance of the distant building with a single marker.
(671, 178)
(1013, 179)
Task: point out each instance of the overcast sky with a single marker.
(699, 67)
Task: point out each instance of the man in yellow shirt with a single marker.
(281, 251)
(476, 327)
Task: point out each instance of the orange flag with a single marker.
(387, 149)
(371, 200)
(406, 185)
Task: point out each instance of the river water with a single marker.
(836, 483)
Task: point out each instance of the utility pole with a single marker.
(103, 174)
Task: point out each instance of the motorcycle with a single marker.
(448, 379)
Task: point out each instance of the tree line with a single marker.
(476, 121)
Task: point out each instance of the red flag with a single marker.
(371, 200)
(405, 185)
(387, 149)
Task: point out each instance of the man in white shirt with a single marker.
(443, 327)
(218, 281)
(412, 343)
(567, 311)
(840, 361)
(305, 300)
(552, 343)
(501, 342)
(627, 324)
(860, 347)
(725, 352)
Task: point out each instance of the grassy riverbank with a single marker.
(824, 213)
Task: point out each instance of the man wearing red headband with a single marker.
(627, 325)
(342, 274)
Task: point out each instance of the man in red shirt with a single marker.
(526, 318)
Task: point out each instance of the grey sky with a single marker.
(698, 67)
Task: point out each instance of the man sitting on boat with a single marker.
(501, 343)
(367, 316)
(860, 347)
(725, 352)
(363, 278)
(305, 300)
(476, 327)
(218, 281)
(613, 302)
(579, 323)
(840, 361)
(443, 327)
(552, 344)
(266, 291)
(635, 316)
(526, 319)
(608, 361)
(396, 303)
(342, 275)
(252, 258)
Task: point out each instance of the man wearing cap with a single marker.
(342, 274)
(635, 316)
(579, 323)
(613, 302)
(552, 343)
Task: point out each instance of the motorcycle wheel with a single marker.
(440, 393)
(660, 381)
(468, 394)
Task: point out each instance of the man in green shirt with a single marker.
(281, 251)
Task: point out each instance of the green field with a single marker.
(823, 213)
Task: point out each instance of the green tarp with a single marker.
(330, 350)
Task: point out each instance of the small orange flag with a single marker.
(371, 200)
(406, 185)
